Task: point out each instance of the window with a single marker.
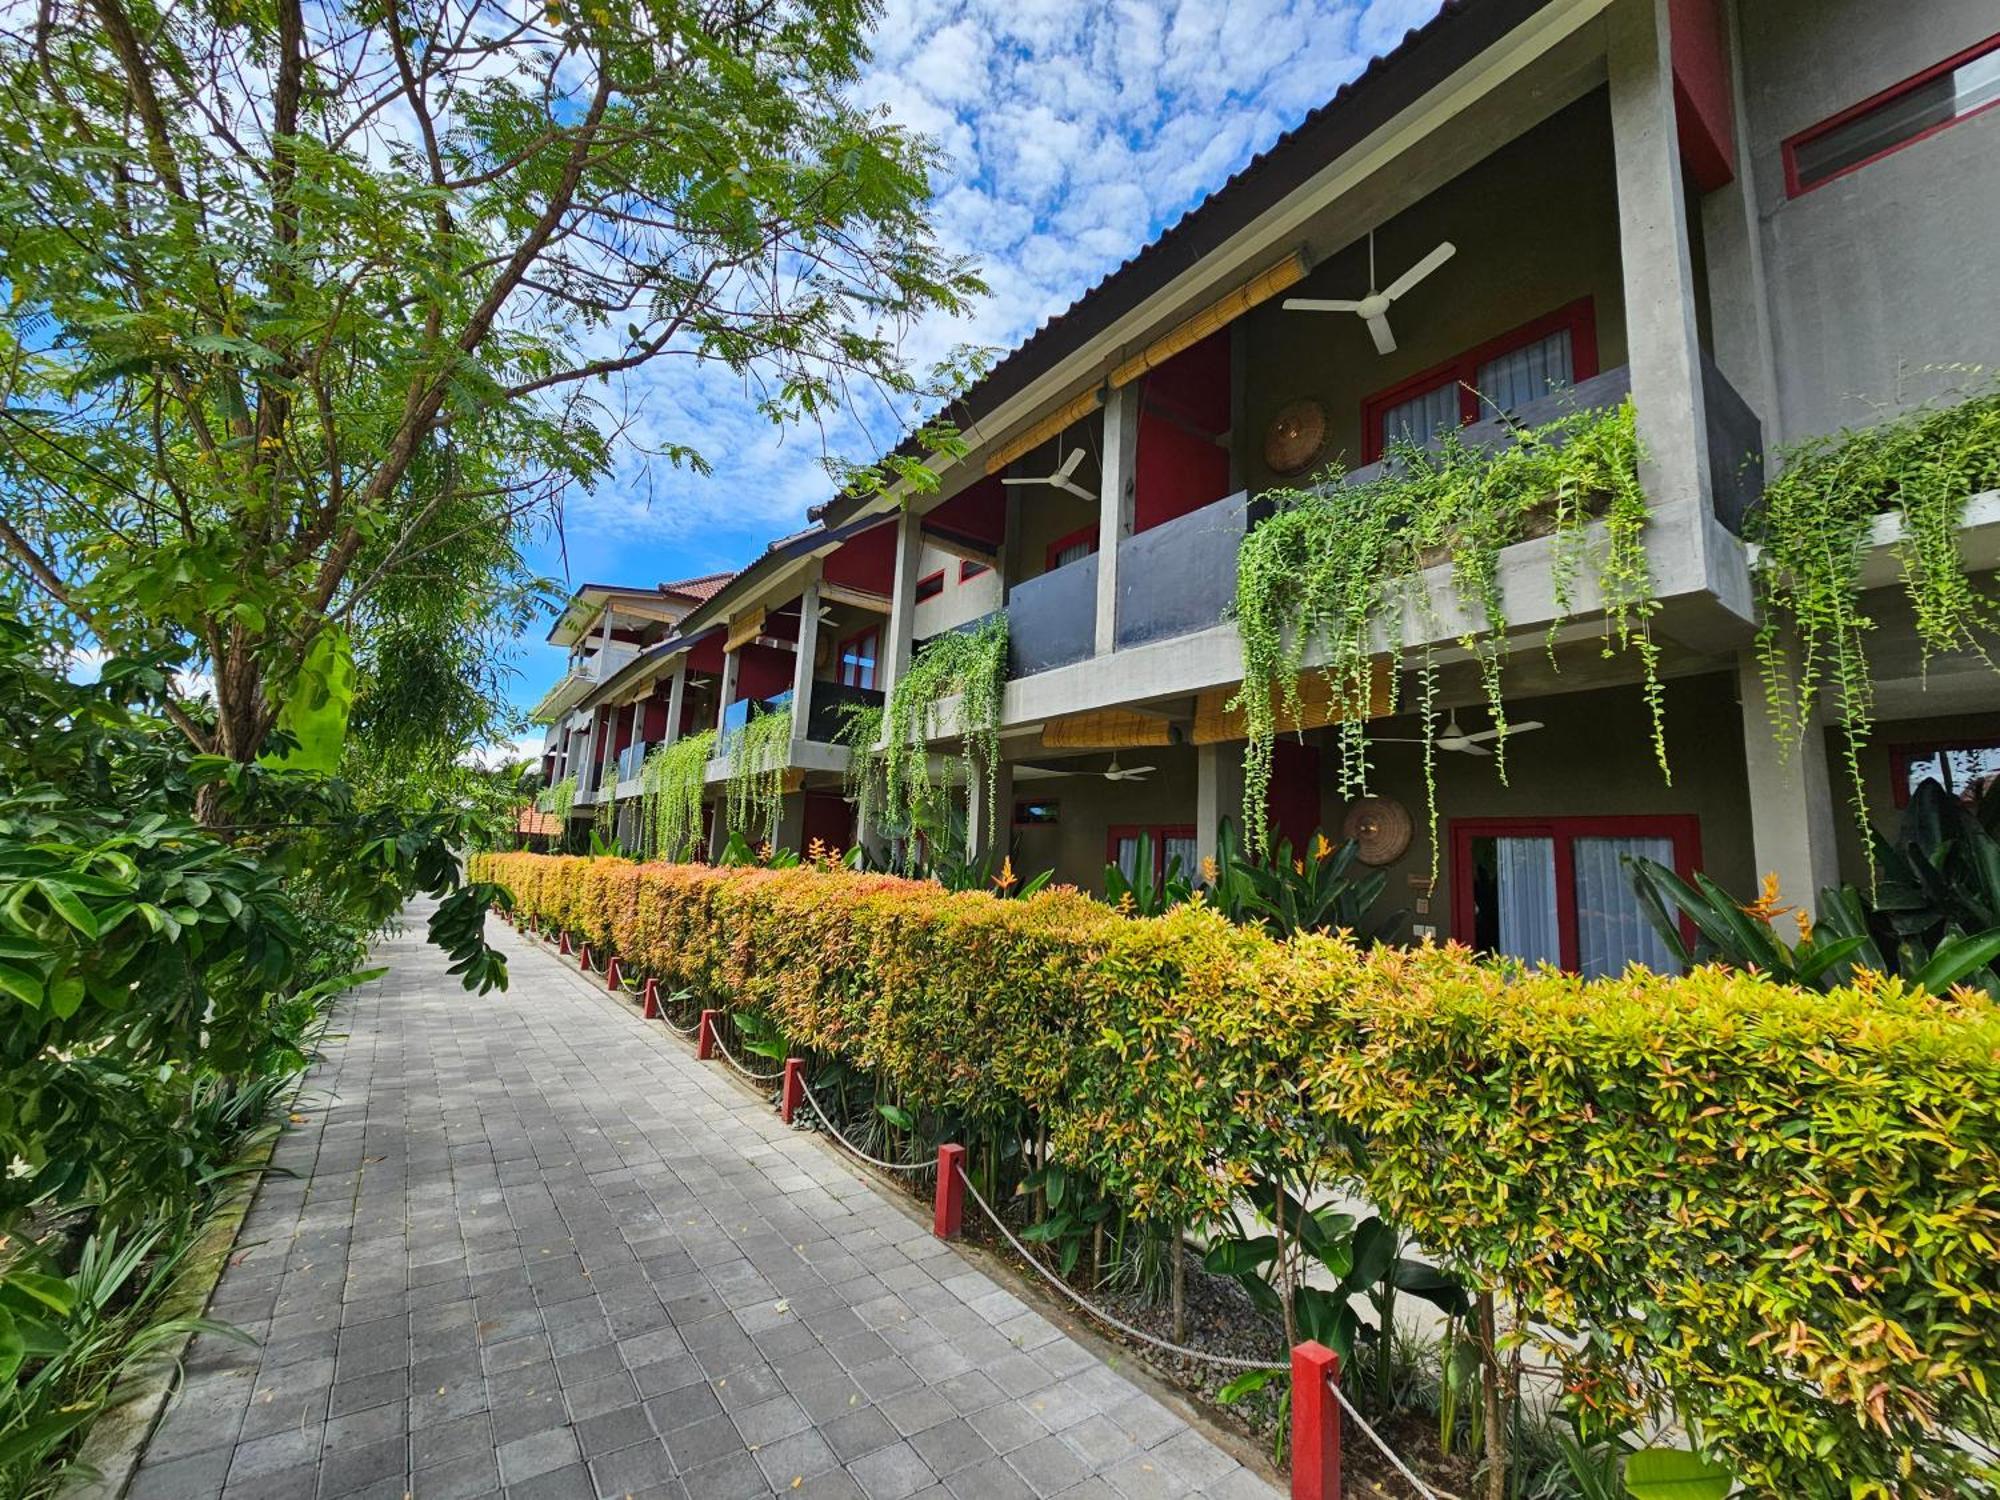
(1961, 767)
(1520, 366)
(930, 586)
(969, 570)
(1554, 890)
(1078, 545)
(1956, 89)
(1037, 812)
(857, 658)
(1174, 850)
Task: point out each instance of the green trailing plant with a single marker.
(671, 784)
(559, 799)
(1327, 578)
(969, 665)
(1812, 528)
(757, 756)
(865, 780)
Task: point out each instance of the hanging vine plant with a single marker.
(866, 779)
(670, 788)
(970, 665)
(559, 799)
(757, 757)
(1812, 528)
(1329, 575)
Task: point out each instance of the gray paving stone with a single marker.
(529, 1242)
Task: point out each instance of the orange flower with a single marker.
(1209, 871)
(1298, 867)
(816, 850)
(1768, 902)
(1805, 921)
(1321, 848)
(1006, 879)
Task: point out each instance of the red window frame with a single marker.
(1794, 188)
(1684, 829)
(930, 586)
(1056, 548)
(1901, 755)
(1160, 833)
(840, 663)
(969, 570)
(1579, 317)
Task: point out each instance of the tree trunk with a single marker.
(1489, 1395)
(1177, 1278)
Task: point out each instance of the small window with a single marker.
(1956, 89)
(857, 659)
(1026, 813)
(930, 586)
(1962, 767)
(1075, 547)
(1522, 365)
(969, 570)
(1556, 891)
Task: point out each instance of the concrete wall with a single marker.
(1593, 758)
(1091, 806)
(961, 600)
(1873, 276)
(1536, 226)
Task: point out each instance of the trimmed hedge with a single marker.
(1771, 1211)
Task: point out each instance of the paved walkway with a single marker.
(533, 1247)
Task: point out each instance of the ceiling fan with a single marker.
(1061, 478)
(1129, 773)
(1454, 738)
(1374, 308)
(1112, 772)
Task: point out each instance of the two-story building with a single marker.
(1759, 221)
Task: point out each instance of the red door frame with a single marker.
(1683, 828)
(1160, 833)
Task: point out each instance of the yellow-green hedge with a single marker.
(1777, 1210)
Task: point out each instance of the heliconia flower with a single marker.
(1209, 871)
(1321, 848)
(1768, 903)
(1006, 879)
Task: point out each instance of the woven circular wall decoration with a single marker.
(1295, 437)
(1381, 826)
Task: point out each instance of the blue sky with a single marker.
(1075, 133)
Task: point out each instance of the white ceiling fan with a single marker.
(1374, 308)
(1112, 772)
(1456, 739)
(1061, 478)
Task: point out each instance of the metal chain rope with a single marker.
(834, 1131)
(1099, 1313)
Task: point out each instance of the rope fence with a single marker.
(730, 1058)
(835, 1131)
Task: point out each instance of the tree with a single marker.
(307, 297)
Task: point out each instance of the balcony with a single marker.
(1179, 578)
(631, 759)
(831, 703)
(585, 672)
(1052, 620)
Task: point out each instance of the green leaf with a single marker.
(1676, 1474)
(22, 985)
(51, 1291)
(1956, 957)
(1248, 1381)
(897, 1116)
(69, 906)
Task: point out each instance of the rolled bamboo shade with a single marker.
(1217, 724)
(744, 628)
(1107, 729)
(1220, 313)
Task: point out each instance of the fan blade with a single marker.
(1420, 270)
(1385, 341)
(1319, 304)
(1524, 726)
(1024, 481)
(1468, 748)
(1484, 735)
(1073, 488)
(1069, 464)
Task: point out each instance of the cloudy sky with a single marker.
(1075, 132)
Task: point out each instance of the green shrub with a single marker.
(1772, 1212)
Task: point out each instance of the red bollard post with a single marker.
(1315, 1423)
(563, 947)
(794, 1089)
(583, 959)
(650, 1000)
(704, 1042)
(612, 979)
(949, 1218)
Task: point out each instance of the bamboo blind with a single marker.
(1215, 723)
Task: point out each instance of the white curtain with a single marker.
(1526, 874)
(1611, 929)
(1128, 857)
(1188, 853)
(1524, 375)
(1422, 418)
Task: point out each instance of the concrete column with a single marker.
(1665, 352)
(899, 637)
(1115, 504)
(988, 826)
(1218, 794)
(1791, 797)
(676, 702)
(802, 668)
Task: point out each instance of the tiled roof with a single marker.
(703, 588)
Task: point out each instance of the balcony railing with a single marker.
(831, 702)
(741, 712)
(1180, 577)
(631, 759)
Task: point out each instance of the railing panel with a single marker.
(1180, 576)
(1735, 448)
(1052, 620)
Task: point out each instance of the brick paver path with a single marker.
(533, 1247)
